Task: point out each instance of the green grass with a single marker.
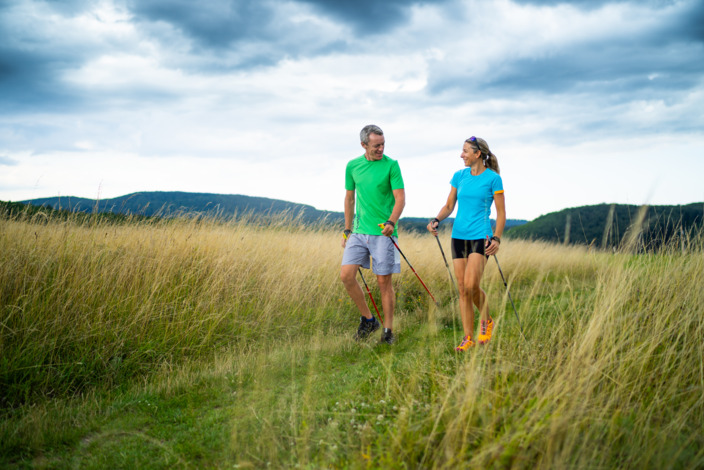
(187, 345)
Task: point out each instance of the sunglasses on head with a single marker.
(475, 142)
(476, 146)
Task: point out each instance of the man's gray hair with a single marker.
(370, 129)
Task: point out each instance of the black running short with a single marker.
(463, 248)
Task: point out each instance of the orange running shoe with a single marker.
(465, 344)
(487, 327)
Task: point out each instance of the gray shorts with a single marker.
(384, 255)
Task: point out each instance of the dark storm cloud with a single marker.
(29, 75)
(34, 60)
(668, 57)
(222, 23)
(258, 25)
(691, 24)
(366, 16)
(587, 4)
(618, 71)
(217, 23)
(34, 63)
(69, 7)
(35, 55)
(226, 35)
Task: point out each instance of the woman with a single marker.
(475, 188)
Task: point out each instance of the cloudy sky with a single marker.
(583, 102)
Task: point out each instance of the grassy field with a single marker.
(195, 344)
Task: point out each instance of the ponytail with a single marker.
(491, 162)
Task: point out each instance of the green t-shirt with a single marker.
(373, 183)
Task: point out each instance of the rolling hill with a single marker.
(606, 225)
(168, 204)
(173, 203)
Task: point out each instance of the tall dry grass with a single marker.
(86, 305)
(610, 374)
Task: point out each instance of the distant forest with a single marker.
(608, 225)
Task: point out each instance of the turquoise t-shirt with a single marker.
(373, 183)
(475, 195)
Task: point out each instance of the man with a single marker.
(376, 181)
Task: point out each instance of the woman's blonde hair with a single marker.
(490, 160)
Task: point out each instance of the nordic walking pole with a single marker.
(371, 296)
(411, 266)
(509, 296)
(447, 266)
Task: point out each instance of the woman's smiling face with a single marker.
(469, 154)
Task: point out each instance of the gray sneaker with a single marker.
(387, 336)
(366, 328)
